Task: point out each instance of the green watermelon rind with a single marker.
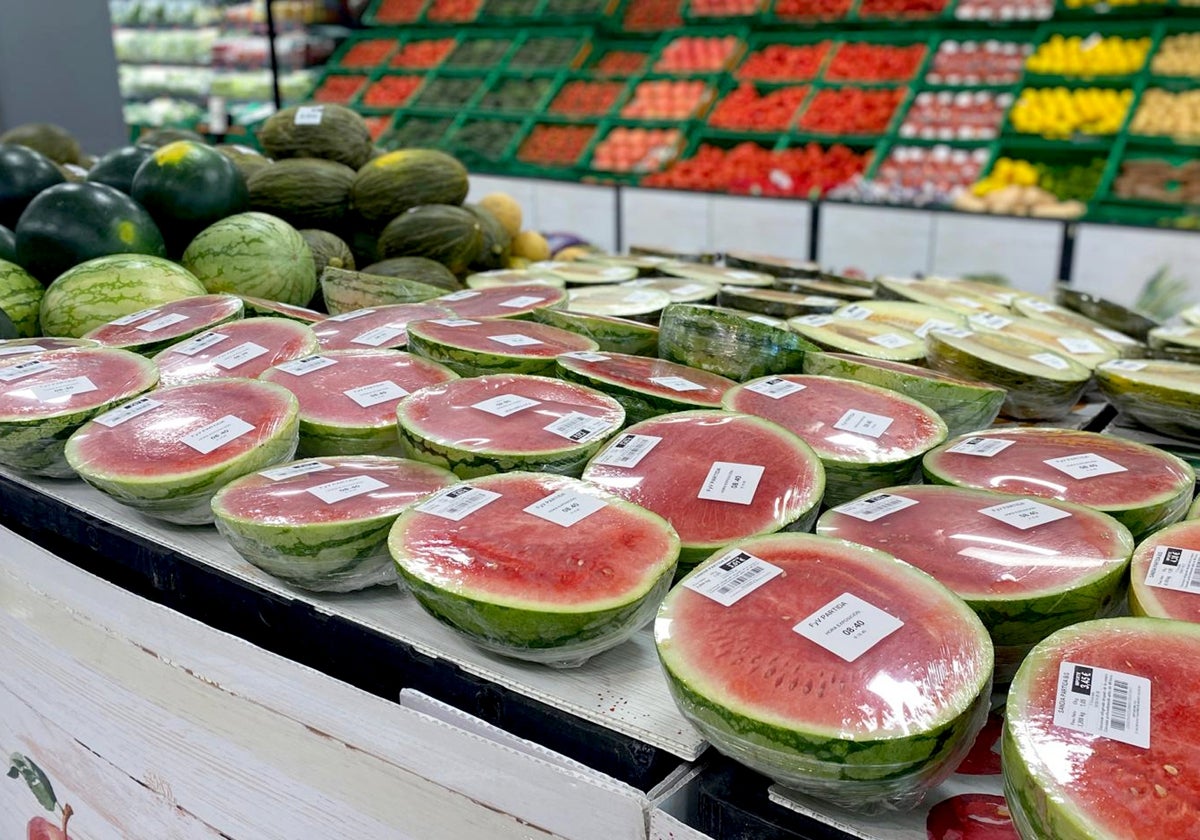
(728, 342)
(1143, 600)
(1171, 411)
(611, 334)
(640, 402)
(20, 298)
(1194, 510)
(346, 291)
(186, 498)
(468, 361)
(254, 254)
(963, 406)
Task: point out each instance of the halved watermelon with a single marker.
(168, 452)
(964, 405)
(616, 335)
(942, 293)
(1162, 395)
(476, 348)
(508, 277)
(1164, 578)
(263, 308)
(1083, 346)
(584, 274)
(1142, 487)
(824, 288)
(323, 524)
(44, 344)
(645, 387)
(873, 339)
(242, 348)
(728, 342)
(1024, 577)
(1133, 772)
(348, 398)
(1041, 310)
(623, 301)
(715, 476)
(537, 567)
(776, 302)
(916, 318)
(679, 289)
(150, 330)
(47, 396)
(503, 301)
(376, 328)
(866, 437)
(833, 668)
(506, 422)
(719, 274)
(771, 264)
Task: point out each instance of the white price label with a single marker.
(1124, 364)
(22, 369)
(1080, 345)
(951, 331)
(379, 335)
(734, 576)
(1024, 513)
(627, 451)
(1085, 465)
(763, 319)
(133, 317)
(817, 300)
(586, 356)
(848, 626)
(854, 312)
(309, 115)
(815, 320)
(238, 356)
(688, 289)
(376, 393)
(775, 388)
(162, 322)
(638, 298)
(455, 322)
(345, 488)
(506, 404)
(1039, 305)
(127, 412)
(676, 383)
(578, 427)
(1175, 568)
(981, 446)
(216, 434)
(293, 470)
(990, 321)
(863, 423)
(1114, 336)
(306, 365)
(890, 340)
(520, 302)
(457, 503)
(24, 348)
(62, 389)
(514, 340)
(1097, 701)
(350, 316)
(933, 324)
(967, 302)
(730, 482)
(871, 508)
(566, 507)
(201, 342)
(1050, 360)
(465, 294)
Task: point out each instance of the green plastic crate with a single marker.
(371, 17)
(1124, 29)
(760, 41)
(466, 140)
(572, 44)
(1132, 153)
(518, 94)
(420, 129)
(450, 91)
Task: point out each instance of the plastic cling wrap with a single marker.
(1164, 577)
(729, 343)
(1100, 737)
(478, 347)
(622, 301)
(44, 397)
(375, 327)
(242, 349)
(716, 476)
(151, 330)
(322, 524)
(874, 339)
(534, 566)
(503, 301)
(167, 452)
(776, 302)
(835, 669)
(1027, 567)
(1163, 395)
(616, 335)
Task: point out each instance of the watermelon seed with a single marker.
(1160, 790)
(1003, 811)
(1171, 769)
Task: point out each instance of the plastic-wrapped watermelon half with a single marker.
(46, 396)
(1164, 577)
(623, 301)
(506, 422)
(719, 274)
(1041, 310)
(1194, 510)
(835, 669)
(166, 453)
(1027, 567)
(262, 308)
(963, 404)
(716, 476)
(348, 398)
(44, 344)
(1041, 384)
(645, 387)
(148, 331)
(776, 302)
(1101, 737)
(491, 345)
(771, 264)
(866, 437)
(1083, 346)
(1142, 487)
(374, 328)
(585, 274)
(537, 567)
(503, 301)
(323, 524)
(915, 318)
(613, 335)
(944, 294)
(242, 348)
(729, 343)
(1180, 342)
(508, 277)
(1162, 395)
(680, 290)
(874, 339)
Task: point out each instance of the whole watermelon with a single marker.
(71, 223)
(186, 187)
(118, 167)
(23, 174)
(254, 254)
(20, 298)
(104, 289)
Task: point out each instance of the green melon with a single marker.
(346, 291)
(20, 298)
(254, 254)
(327, 131)
(305, 192)
(449, 235)
(392, 184)
(729, 343)
(420, 269)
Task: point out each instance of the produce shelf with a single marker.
(1127, 30)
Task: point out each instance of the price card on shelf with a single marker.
(734, 576)
(1101, 702)
(216, 434)
(566, 507)
(848, 626)
(627, 451)
(730, 482)
(457, 503)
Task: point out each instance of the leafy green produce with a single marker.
(479, 52)
(515, 95)
(486, 138)
(448, 92)
(545, 52)
(418, 132)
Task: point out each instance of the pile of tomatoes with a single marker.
(555, 145)
(697, 54)
(369, 53)
(420, 55)
(587, 98)
(851, 110)
(667, 100)
(750, 169)
(861, 62)
(636, 149)
(744, 109)
(391, 91)
(784, 62)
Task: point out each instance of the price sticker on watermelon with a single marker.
(162, 322)
(566, 507)
(854, 312)
(875, 507)
(1082, 346)
(521, 302)
(216, 434)
(892, 341)
(1051, 360)
(586, 356)
(1024, 514)
(457, 503)
(848, 626)
(455, 322)
(294, 470)
(133, 317)
(240, 355)
(863, 423)
(380, 335)
(775, 388)
(515, 340)
(350, 316)
(506, 404)
(306, 365)
(627, 451)
(1085, 465)
(23, 369)
(981, 447)
(676, 383)
(1174, 568)
(63, 389)
(201, 342)
(127, 412)
(578, 427)
(21, 349)
(465, 294)
(377, 392)
(1124, 364)
(933, 324)
(734, 576)
(730, 482)
(333, 492)
(1097, 701)
(989, 321)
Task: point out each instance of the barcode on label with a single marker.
(297, 469)
(775, 387)
(23, 369)
(854, 312)
(127, 412)
(981, 446)
(1098, 701)
(627, 451)
(1173, 567)
(306, 365)
(455, 504)
(1119, 713)
(875, 507)
(732, 577)
(578, 427)
(201, 342)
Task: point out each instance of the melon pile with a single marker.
(363, 380)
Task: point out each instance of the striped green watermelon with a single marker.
(45, 397)
(323, 524)
(729, 343)
(477, 348)
(104, 289)
(254, 254)
(20, 298)
(151, 330)
(616, 335)
(534, 566)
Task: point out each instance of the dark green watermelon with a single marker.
(8, 245)
(118, 167)
(73, 223)
(23, 174)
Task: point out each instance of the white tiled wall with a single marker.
(1115, 262)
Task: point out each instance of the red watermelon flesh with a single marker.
(263, 306)
(60, 382)
(1160, 601)
(375, 328)
(168, 321)
(984, 757)
(502, 301)
(638, 371)
(44, 344)
(971, 816)
(242, 349)
(668, 479)
(482, 336)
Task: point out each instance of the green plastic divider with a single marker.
(372, 16)
(1091, 29)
